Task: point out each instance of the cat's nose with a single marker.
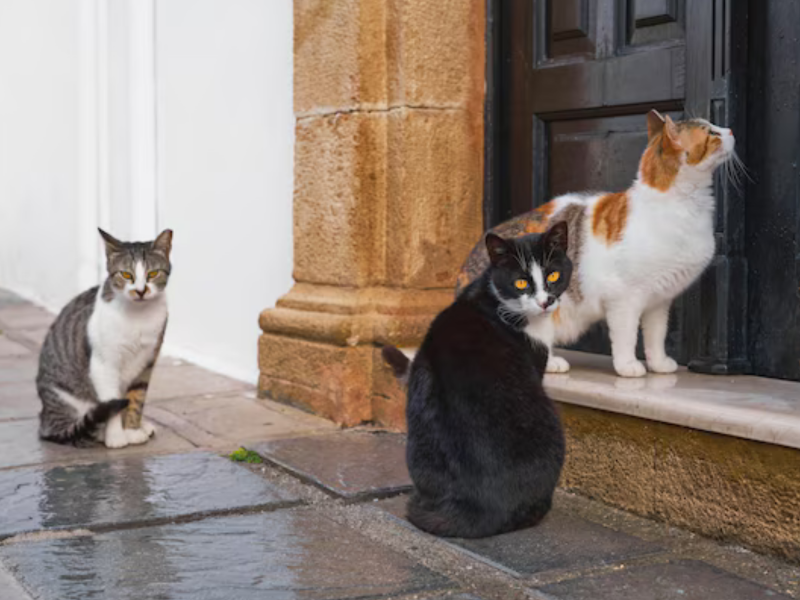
(141, 292)
(546, 303)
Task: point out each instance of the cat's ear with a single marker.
(499, 249)
(557, 237)
(671, 136)
(113, 245)
(163, 242)
(655, 123)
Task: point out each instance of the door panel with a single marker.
(579, 79)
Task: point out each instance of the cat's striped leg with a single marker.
(137, 429)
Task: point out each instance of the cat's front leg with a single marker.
(105, 379)
(542, 328)
(623, 326)
(654, 327)
(136, 427)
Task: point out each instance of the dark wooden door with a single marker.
(772, 224)
(574, 80)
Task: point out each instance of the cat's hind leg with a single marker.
(654, 328)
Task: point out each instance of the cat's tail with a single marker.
(459, 519)
(73, 432)
(399, 362)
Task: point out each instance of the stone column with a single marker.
(388, 192)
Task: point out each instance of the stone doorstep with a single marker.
(741, 406)
(751, 408)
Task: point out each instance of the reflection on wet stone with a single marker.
(127, 490)
(283, 555)
(349, 464)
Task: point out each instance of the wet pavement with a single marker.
(322, 518)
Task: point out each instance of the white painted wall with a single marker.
(138, 115)
(40, 93)
(225, 164)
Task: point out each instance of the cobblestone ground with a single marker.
(320, 519)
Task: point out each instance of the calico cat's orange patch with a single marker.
(609, 217)
(557, 315)
(660, 164)
(698, 143)
(541, 215)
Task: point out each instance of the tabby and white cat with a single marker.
(633, 251)
(485, 445)
(98, 356)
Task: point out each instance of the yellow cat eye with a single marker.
(553, 277)
(520, 284)
(152, 274)
(127, 275)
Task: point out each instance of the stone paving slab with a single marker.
(20, 446)
(349, 464)
(238, 418)
(561, 541)
(10, 348)
(15, 370)
(19, 400)
(679, 580)
(127, 491)
(24, 316)
(177, 379)
(284, 555)
(33, 336)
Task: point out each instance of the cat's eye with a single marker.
(126, 275)
(553, 277)
(152, 274)
(521, 284)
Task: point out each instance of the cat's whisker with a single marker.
(741, 167)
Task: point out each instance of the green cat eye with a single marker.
(152, 274)
(126, 275)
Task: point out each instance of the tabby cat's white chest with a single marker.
(124, 338)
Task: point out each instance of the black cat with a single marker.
(485, 444)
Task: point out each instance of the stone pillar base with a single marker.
(320, 349)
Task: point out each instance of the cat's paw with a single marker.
(630, 368)
(557, 364)
(136, 436)
(116, 439)
(662, 365)
(148, 427)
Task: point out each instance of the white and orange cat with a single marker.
(633, 251)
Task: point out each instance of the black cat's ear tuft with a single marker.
(164, 242)
(499, 249)
(113, 245)
(655, 123)
(557, 237)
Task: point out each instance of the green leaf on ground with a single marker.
(247, 456)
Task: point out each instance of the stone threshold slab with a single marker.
(743, 406)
